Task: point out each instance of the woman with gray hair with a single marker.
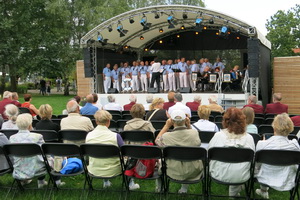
(112, 105)
(149, 99)
(12, 112)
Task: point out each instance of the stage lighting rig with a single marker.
(109, 28)
(101, 39)
(182, 27)
(211, 21)
(198, 23)
(121, 30)
(184, 16)
(171, 22)
(142, 37)
(156, 16)
(161, 30)
(223, 32)
(131, 20)
(144, 23)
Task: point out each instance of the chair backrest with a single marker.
(126, 116)
(158, 124)
(269, 120)
(218, 118)
(270, 115)
(141, 151)
(113, 125)
(296, 130)
(56, 121)
(116, 117)
(256, 137)
(48, 135)
(61, 149)
(185, 154)
(265, 128)
(195, 118)
(278, 157)
(121, 123)
(61, 116)
(72, 135)
(34, 122)
(231, 154)
(137, 136)
(219, 125)
(3, 154)
(9, 132)
(259, 115)
(259, 121)
(125, 112)
(24, 110)
(205, 136)
(194, 113)
(215, 113)
(211, 118)
(291, 137)
(94, 122)
(100, 150)
(22, 149)
(89, 116)
(114, 112)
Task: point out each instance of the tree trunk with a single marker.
(67, 87)
(2, 86)
(13, 83)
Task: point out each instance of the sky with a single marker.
(253, 12)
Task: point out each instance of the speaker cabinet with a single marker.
(87, 63)
(253, 57)
(152, 90)
(112, 91)
(185, 90)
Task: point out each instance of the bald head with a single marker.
(252, 99)
(277, 97)
(89, 98)
(72, 107)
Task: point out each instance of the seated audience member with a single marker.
(281, 178)
(180, 106)
(170, 102)
(195, 104)
(249, 113)
(95, 101)
(233, 135)
(137, 123)
(252, 100)
(112, 105)
(12, 112)
(203, 124)
(77, 99)
(213, 105)
(149, 99)
(75, 120)
(156, 110)
(30, 167)
(3, 162)
(132, 100)
(7, 99)
(89, 108)
(45, 123)
(296, 120)
(182, 135)
(15, 97)
(33, 110)
(276, 107)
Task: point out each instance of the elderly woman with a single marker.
(156, 110)
(12, 112)
(45, 112)
(285, 175)
(182, 135)
(137, 123)
(233, 135)
(203, 124)
(249, 113)
(27, 104)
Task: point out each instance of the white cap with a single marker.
(178, 115)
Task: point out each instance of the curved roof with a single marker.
(135, 29)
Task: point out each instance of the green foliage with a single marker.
(22, 88)
(284, 32)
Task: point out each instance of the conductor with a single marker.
(156, 70)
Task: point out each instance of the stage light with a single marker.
(211, 21)
(144, 23)
(161, 30)
(224, 29)
(142, 37)
(160, 41)
(121, 30)
(197, 33)
(109, 28)
(178, 36)
(182, 27)
(171, 22)
(199, 25)
(205, 27)
(223, 32)
(101, 39)
(126, 47)
(238, 34)
(146, 49)
(184, 16)
(131, 20)
(217, 33)
(156, 16)
(237, 37)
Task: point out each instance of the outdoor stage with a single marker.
(226, 100)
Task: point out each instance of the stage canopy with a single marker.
(157, 21)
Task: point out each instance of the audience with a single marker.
(15, 97)
(203, 124)
(170, 102)
(45, 123)
(249, 113)
(156, 110)
(213, 105)
(252, 102)
(182, 135)
(95, 101)
(233, 135)
(137, 123)
(7, 99)
(12, 112)
(27, 104)
(78, 100)
(112, 105)
(180, 106)
(132, 100)
(195, 104)
(281, 178)
(149, 99)
(276, 107)
(89, 108)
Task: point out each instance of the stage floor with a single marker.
(227, 100)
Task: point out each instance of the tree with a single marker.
(284, 32)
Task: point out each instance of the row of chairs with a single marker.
(183, 154)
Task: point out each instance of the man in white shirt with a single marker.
(149, 99)
(156, 69)
(180, 106)
(112, 105)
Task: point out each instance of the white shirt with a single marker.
(112, 106)
(98, 105)
(155, 67)
(280, 178)
(146, 106)
(180, 106)
(205, 125)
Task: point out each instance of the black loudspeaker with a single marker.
(253, 57)
(152, 90)
(87, 63)
(185, 90)
(112, 91)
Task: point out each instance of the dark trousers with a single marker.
(155, 78)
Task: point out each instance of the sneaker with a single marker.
(26, 182)
(182, 191)
(42, 184)
(106, 184)
(134, 186)
(60, 184)
(264, 195)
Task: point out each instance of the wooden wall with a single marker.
(286, 73)
(84, 85)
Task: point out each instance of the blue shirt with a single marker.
(169, 69)
(149, 70)
(219, 64)
(182, 66)
(143, 69)
(125, 71)
(206, 64)
(115, 74)
(88, 109)
(107, 72)
(164, 67)
(195, 68)
(134, 70)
